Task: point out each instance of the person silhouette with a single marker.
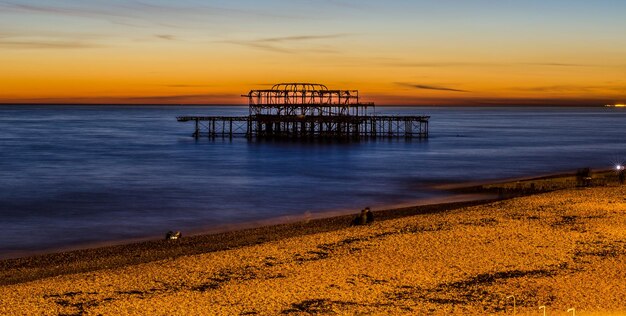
(365, 217)
(369, 216)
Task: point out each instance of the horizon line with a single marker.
(245, 105)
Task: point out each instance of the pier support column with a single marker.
(196, 133)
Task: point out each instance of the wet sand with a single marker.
(560, 249)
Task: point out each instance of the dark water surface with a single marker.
(80, 175)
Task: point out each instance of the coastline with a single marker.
(34, 267)
(24, 269)
(561, 249)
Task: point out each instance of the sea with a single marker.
(81, 176)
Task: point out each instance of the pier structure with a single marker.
(308, 111)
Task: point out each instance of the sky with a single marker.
(439, 52)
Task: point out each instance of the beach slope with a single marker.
(564, 249)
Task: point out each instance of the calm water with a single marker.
(80, 175)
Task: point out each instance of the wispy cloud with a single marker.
(386, 99)
(136, 13)
(187, 85)
(44, 44)
(49, 39)
(345, 4)
(477, 64)
(261, 46)
(572, 88)
(285, 44)
(556, 64)
(575, 101)
(209, 98)
(428, 87)
(434, 64)
(166, 37)
(76, 11)
(298, 38)
(178, 97)
(555, 88)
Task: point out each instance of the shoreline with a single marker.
(34, 267)
(563, 249)
(25, 269)
(450, 197)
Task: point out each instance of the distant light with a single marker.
(618, 105)
(619, 167)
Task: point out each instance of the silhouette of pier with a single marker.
(308, 111)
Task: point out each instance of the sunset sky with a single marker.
(465, 52)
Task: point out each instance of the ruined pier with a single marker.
(308, 111)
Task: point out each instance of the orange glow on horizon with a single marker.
(131, 79)
(94, 54)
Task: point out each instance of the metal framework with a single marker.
(308, 111)
(305, 99)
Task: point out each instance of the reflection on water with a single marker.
(85, 174)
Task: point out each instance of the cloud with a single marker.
(187, 85)
(556, 64)
(428, 87)
(457, 100)
(345, 4)
(476, 64)
(175, 97)
(166, 37)
(49, 40)
(278, 44)
(266, 47)
(539, 101)
(76, 11)
(262, 84)
(435, 64)
(557, 88)
(136, 13)
(298, 38)
(209, 98)
(571, 88)
(44, 44)
(5, 34)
